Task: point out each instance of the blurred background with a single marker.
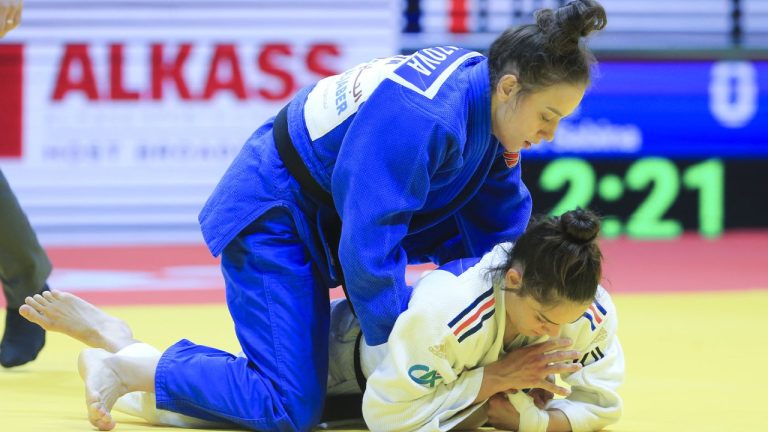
(117, 118)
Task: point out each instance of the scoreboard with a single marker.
(661, 146)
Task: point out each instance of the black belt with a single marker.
(295, 165)
(359, 375)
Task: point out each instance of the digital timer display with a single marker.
(653, 197)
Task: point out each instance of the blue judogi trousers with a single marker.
(281, 320)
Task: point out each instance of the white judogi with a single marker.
(429, 372)
(453, 327)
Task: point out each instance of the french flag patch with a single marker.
(511, 158)
(595, 314)
(471, 319)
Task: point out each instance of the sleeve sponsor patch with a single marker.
(335, 98)
(423, 375)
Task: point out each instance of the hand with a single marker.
(10, 15)
(529, 367)
(501, 413)
(541, 397)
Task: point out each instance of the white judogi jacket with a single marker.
(432, 368)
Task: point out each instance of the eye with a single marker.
(540, 319)
(547, 120)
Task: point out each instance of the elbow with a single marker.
(375, 419)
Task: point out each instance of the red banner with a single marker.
(11, 61)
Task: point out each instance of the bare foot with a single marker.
(103, 386)
(67, 313)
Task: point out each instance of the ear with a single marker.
(507, 87)
(513, 278)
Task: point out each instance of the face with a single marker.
(527, 317)
(520, 120)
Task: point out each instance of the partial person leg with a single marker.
(280, 310)
(24, 268)
(109, 376)
(66, 313)
(344, 401)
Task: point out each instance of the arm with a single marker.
(594, 402)
(415, 388)
(498, 213)
(382, 176)
(432, 378)
(10, 15)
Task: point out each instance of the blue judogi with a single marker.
(396, 142)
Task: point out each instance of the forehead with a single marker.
(563, 97)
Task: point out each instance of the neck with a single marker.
(510, 332)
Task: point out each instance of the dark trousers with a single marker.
(24, 265)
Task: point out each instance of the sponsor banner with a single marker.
(121, 116)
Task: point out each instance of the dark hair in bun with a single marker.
(552, 50)
(560, 257)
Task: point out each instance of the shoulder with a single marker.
(460, 298)
(426, 71)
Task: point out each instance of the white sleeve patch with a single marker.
(335, 98)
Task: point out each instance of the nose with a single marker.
(548, 133)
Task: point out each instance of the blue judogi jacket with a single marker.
(395, 141)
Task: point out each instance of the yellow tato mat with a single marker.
(694, 363)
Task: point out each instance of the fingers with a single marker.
(554, 388)
(563, 368)
(541, 396)
(562, 356)
(550, 345)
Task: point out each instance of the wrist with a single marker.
(488, 385)
(558, 421)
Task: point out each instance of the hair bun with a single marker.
(566, 25)
(580, 226)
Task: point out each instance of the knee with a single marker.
(304, 412)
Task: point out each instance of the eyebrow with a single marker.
(541, 314)
(555, 111)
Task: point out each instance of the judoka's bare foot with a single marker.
(103, 386)
(67, 313)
